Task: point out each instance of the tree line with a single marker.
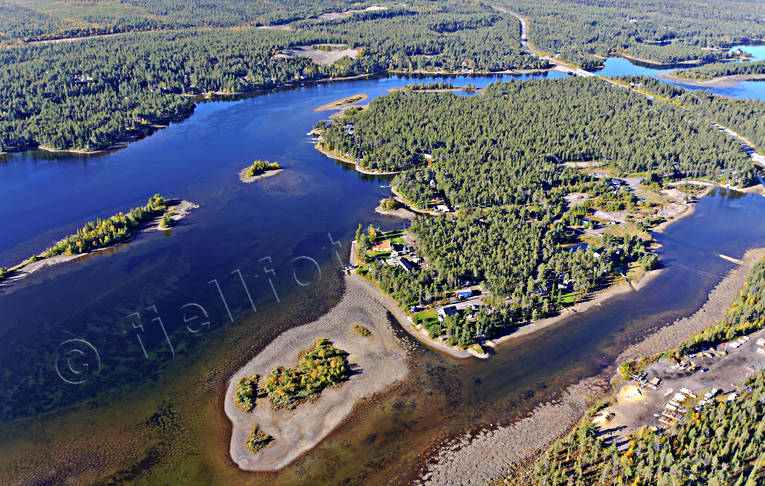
(89, 94)
(585, 31)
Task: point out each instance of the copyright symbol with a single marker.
(76, 361)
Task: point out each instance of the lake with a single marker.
(163, 320)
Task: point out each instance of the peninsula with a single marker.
(515, 235)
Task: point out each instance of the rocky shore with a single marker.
(497, 452)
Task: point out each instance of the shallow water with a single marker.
(280, 242)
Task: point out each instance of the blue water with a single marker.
(617, 66)
(300, 213)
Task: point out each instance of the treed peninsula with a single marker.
(157, 214)
(534, 202)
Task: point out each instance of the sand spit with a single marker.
(342, 103)
(719, 82)
(378, 360)
(243, 177)
(494, 453)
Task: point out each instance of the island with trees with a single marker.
(260, 169)
(319, 367)
(157, 214)
(538, 201)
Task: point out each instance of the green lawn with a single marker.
(566, 299)
(425, 317)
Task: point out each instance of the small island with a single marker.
(157, 214)
(260, 169)
(313, 376)
(341, 104)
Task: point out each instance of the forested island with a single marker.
(694, 440)
(540, 200)
(103, 233)
(259, 169)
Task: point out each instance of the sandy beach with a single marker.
(378, 361)
(493, 453)
(243, 177)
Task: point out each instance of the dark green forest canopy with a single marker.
(498, 147)
(746, 117)
(719, 69)
(500, 157)
(88, 94)
(30, 21)
(657, 30)
(441, 36)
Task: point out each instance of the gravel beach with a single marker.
(494, 453)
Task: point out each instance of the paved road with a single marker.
(562, 67)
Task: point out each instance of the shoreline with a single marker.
(511, 72)
(402, 213)
(492, 453)
(355, 164)
(417, 333)
(343, 103)
(718, 82)
(180, 207)
(409, 206)
(121, 143)
(243, 177)
(378, 361)
(597, 299)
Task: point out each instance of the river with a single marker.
(281, 242)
